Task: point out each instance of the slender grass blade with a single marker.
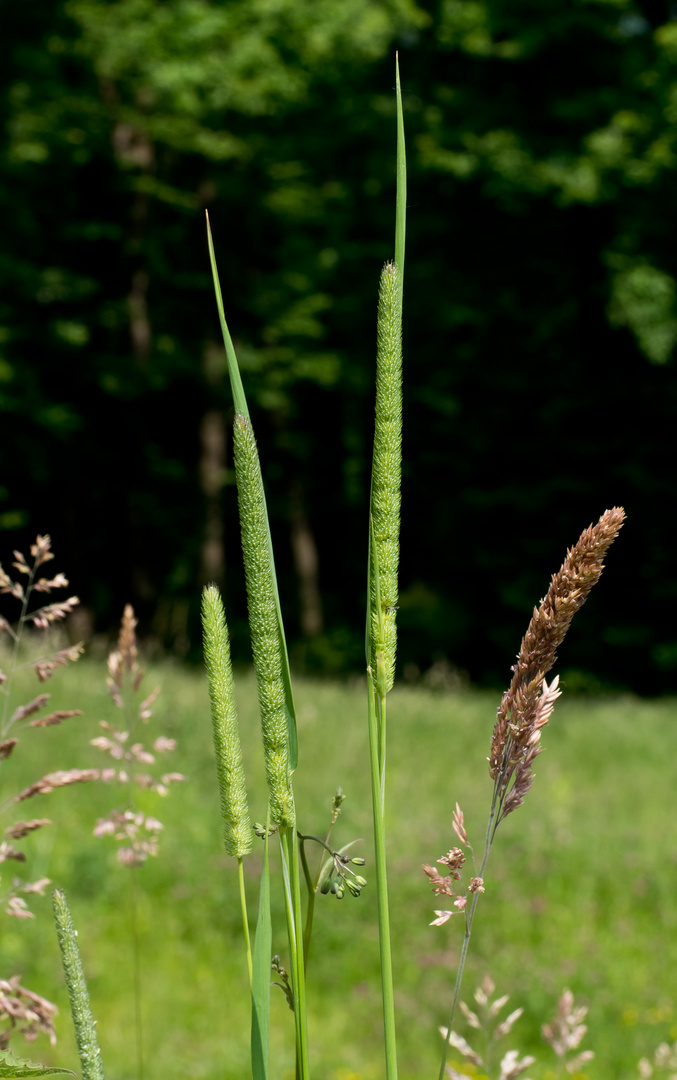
(401, 196)
(263, 944)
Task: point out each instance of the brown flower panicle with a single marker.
(483, 1018)
(21, 1010)
(61, 778)
(127, 827)
(454, 861)
(136, 831)
(528, 703)
(566, 1031)
(24, 1012)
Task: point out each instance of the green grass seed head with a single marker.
(229, 766)
(263, 624)
(83, 1021)
(386, 474)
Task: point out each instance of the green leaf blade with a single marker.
(401, 195)
(233, 367)
(22, 1069)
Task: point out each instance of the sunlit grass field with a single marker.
(581, 887)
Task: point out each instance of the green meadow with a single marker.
(581, 885)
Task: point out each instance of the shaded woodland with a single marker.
(540, 312)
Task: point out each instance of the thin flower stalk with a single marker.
(528, 703)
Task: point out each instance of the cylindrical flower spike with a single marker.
(237, 831)
(83, 1021)
(263, 623)
(386, 476)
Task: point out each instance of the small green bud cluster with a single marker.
(260, 830)
(341, 877)
(336, 804)
(284, 984)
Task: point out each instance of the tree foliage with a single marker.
(540, 306)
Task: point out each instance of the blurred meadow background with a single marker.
(540, 388)
(579, 891)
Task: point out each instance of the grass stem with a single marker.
(292, 895)
(245, 920)
(377, 796)
(470, 915)
(136, 964)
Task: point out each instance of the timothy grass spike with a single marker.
(83, 1021)
(266, 646)
(386, 474)
(229, 765)
(242, 410)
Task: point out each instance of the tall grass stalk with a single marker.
(276, 703)
(278, 723)
(384, 532)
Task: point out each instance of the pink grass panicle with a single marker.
(136, 832)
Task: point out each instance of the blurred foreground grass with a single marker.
(581, 885)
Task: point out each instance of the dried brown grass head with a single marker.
(528, 703)
(124, 660)
(24, 1012)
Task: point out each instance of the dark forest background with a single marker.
(540, 312)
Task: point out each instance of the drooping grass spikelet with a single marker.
(83, 1021)
(386, 476)
(528, 703)
(263, 624)
(237, 829)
